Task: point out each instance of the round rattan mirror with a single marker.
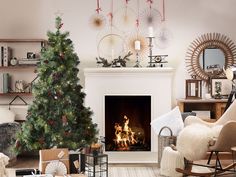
(208, 54)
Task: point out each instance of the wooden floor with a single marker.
(115, 170)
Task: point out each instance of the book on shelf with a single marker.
(1, 82)
(5, 81)
(1, 56)
(28, 61)
(7, 54)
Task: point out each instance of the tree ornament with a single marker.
(18, 144)
(62, 55)
(64, 120)
(46, 61)
(50, 122)
(58, 24)
(41, 140)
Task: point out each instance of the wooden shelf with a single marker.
(215, 106)
(18, 67)
(15, 94)
(23, 40)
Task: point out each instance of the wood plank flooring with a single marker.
(115, 170)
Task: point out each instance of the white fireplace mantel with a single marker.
(156, 82)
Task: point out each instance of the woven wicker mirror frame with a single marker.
(207, 40)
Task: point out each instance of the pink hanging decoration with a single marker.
(150, 3)
(98, 9)
(110, 14)
(127, 1)
(137, 20)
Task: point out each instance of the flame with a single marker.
(124, 136)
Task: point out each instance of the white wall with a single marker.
(187, 19)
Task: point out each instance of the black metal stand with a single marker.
(230, 99)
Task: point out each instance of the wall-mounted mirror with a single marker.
(208, 54)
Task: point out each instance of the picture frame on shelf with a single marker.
(220, 87)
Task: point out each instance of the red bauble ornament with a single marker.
(18, 145)
(64, 119)
(50, 122)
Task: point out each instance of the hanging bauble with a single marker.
(62, 55)
(50, 122)
(64, 120)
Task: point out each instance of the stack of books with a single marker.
(5, 55)
(5, 82)
(26, 61)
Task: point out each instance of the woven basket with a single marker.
(164, 141)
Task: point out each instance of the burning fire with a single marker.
(124, 136)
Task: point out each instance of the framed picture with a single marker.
(220, 87)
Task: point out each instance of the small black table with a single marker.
(96, 165)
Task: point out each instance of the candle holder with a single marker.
(137, 63)
(150, 45)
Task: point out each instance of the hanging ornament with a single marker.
(163, 37)
(97, 21)
(41, 140)
(62, 55)
(17, 144)
(64, 120)
(124, 18)
(50, 122)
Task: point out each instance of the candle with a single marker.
(150, 31)
(137, 45)
(112, 53)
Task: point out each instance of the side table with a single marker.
(96, 165)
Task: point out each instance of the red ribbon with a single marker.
(98, 9)
(137, 22)
(126, 1)
(150, 3)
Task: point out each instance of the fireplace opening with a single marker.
(127, 123)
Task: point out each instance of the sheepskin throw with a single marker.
(193, 141)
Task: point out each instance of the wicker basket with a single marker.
(164, 141)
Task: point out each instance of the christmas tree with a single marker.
(57, 116)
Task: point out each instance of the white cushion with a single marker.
(6, 115)
(172, 119)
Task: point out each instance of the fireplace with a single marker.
(127, 123)
(153, 84)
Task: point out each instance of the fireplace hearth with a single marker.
(127, 123)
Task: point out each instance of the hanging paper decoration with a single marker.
(97, 20)
(163, 37)
(124, 18)
(150, 17)
(143, 45)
